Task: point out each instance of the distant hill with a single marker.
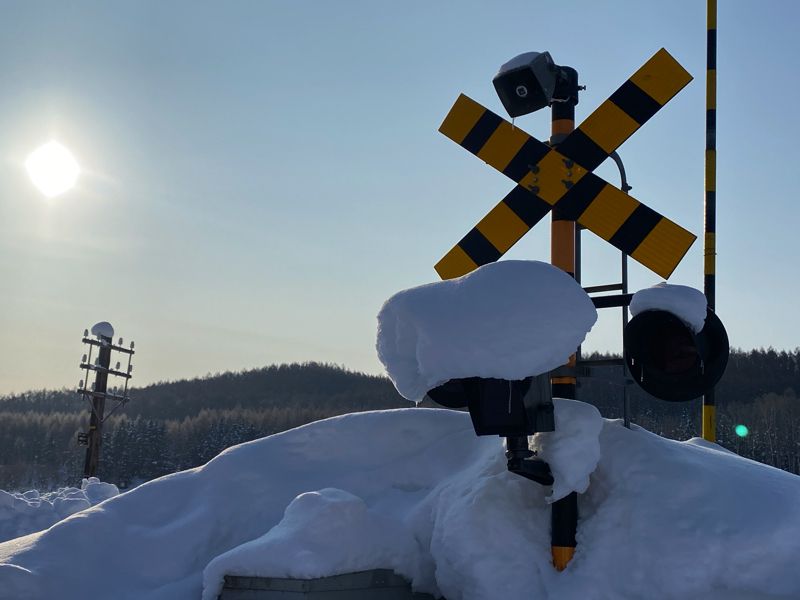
(306, 384)
(171, 426)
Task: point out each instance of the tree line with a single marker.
(171, 426)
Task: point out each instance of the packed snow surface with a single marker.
(22, 513)
(415, 490)
(686, 303)
(509, 320)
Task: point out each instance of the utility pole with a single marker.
(98, 393)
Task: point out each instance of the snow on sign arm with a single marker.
(508, 320)
(686, 303)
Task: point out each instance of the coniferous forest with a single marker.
(172, 426)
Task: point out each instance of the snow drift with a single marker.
(659, 518)
(27, 512)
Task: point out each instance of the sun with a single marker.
(52, 169)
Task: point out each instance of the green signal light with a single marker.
(741, 430)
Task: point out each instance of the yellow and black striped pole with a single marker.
(710, 247)
(564, 512)
(562, 233)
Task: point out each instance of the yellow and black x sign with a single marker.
(562, 177)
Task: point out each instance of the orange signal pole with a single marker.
(564, 516)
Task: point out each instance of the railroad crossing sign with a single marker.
(548, 177)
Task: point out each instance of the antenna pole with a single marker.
(710, 247)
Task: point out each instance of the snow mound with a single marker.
(24, 513)
(324, 532)
(417, 491)
(686, 303)
(573, 449)
(96, 491)
(524, 318)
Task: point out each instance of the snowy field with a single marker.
(415, 490)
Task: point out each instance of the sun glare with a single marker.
(52, 169)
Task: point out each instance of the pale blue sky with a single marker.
(261, 176)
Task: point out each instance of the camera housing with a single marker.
(532, 81)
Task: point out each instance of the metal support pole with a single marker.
(95, 434)
(564, 516)
(626, 401)
(563, 522)
(562, 233)
(710, 246)
(578, 229)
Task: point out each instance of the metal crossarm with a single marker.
(563, 178)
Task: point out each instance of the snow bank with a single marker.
(660, 519)
(24, 513)
(522, 318)
(686, 303)
(324, 532)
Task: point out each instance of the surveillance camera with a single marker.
(526, 83)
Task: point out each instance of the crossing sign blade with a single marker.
(562, 177)
(626, 110)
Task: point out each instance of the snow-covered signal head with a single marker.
(670, 361)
